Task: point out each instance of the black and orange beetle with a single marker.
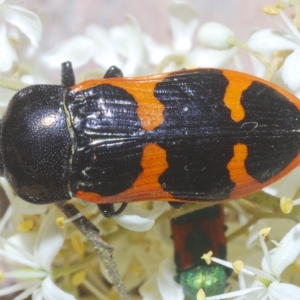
(191, 135)
(194, 234)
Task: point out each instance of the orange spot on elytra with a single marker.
(233, 95)
(150, 109)
(237, 169)
(146, 186)
(246, 184)
(238, 83)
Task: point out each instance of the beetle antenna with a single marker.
(67, 74)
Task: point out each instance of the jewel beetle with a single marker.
(190, 135)
(194, 234)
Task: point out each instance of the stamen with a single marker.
(26, 225)
(78, 278)
(80, 214)
(78, 244)
(280, 5)
(271, 10)
(290, 25)
(262, 234)
(296, 201)
(60, 222)
(286, 205)
(201, 295)
(238, 266)
(207, 257)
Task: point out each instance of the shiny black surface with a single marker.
(197, 133)
(109, 144)
(273, 137)
(101, 150)
(36, 144)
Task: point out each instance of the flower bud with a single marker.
(214, 35)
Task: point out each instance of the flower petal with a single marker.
(105, 54)
(285, 187)
(77, 49)
(289, 74)
(285, 253)
(13, 288)
(128, 42)
(53, 292)
(7, 53)
(19, 204)
(183, 19)
(37, 294)
(48, 240)
(135, 223)
(210, 57)
(140, 219)
(214, 35)
(25, 20)
(168, 287)
(279, 291)
(268, 40)
(156, 52)
(149, 290)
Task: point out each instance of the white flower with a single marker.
(162, 285)
(121, 46)
(267, 284)
(137, 218)
(267, 41)
(184, 21)
(138, 255)
(32, 254)
(19, 205)
(285, 187)
(26, 21)
(214, 35)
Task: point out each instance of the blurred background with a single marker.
(61, 19)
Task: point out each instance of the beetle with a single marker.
(191, 135)
(194, 234)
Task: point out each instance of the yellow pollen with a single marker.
(78, 245)
(265, 231)
(280, 5)
(296, 267)
(237, 266)
(286, 205)
(60, 222)
(1, 275)
(201, 295)
(207, 257)
(112, 295)
(271, 10)
(136, 268)
(78, 278)
(26, 225)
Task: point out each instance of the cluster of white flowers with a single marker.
(40, 259)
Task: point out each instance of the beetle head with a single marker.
(36, 144)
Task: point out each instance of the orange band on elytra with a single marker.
(150, 109)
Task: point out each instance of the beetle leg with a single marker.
(108, 210)
(67, 74)
(113, 71)
(176, 204)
